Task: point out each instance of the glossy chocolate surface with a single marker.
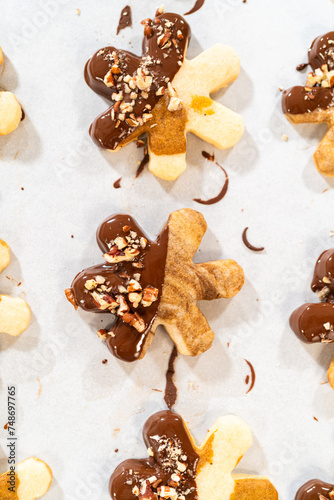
(315, 322)
(313, 490)
(324, 269)
(127, 342)
(161, 64)
(299, 100)
(167, 439)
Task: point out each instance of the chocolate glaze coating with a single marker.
(324, 268)
(313, 489)
(104, 129)
(308, 322)
(160, 428)
(315, 322)
(298, 100)
(127, 344)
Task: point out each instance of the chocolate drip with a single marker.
(142, 164)
(207, 156)
(161, 62)
(126, 342)
(315, 322)
(299, 100)
(220, 196)
(198, 5)
(301, 67)
(313, 490)
(167, 439)
(171, 389)
(125, 20)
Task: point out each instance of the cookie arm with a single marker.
(226, 443)
(219, 279)
(253, 488)
(324, 155)
(210, 71)
(188, 329)
(215, 124)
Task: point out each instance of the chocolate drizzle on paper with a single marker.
(196, 7)
(248, 245)
(142, 165)
(253, 376)
(171, 389)
(117, 184)
(125, 20)
(222, 193)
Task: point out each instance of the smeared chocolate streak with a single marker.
(198, 5)
(117, 184)
(23, 114)
(142, 165)
(314, 490)
(125, 20)
(302, 66)
(248, 245)
(207, 156)
(220, 196)
(171, 389)
(253, 376)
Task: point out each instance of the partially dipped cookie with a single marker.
(314, 322)
(315, 490)
(314, 102)
(177, 469)
(10, 109)
(14, 312)
(147, 283)
(164, 95)
(28, 480)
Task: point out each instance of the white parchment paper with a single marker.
(74, 411)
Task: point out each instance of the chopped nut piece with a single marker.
(102, 334)
(175, 104)
(150, 452)
(325, 279)
(135, 298)
(160, 10)
(135, 320)
(100, 279)
(109, 80)
(123, 306)
(134, 286)
(126, 229)
(104, 301)
(143, 242)
(90, 284)
(160, 91)
(150, 295)
(120, 243)
(70, 297)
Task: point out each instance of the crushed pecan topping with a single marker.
(130, 295)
